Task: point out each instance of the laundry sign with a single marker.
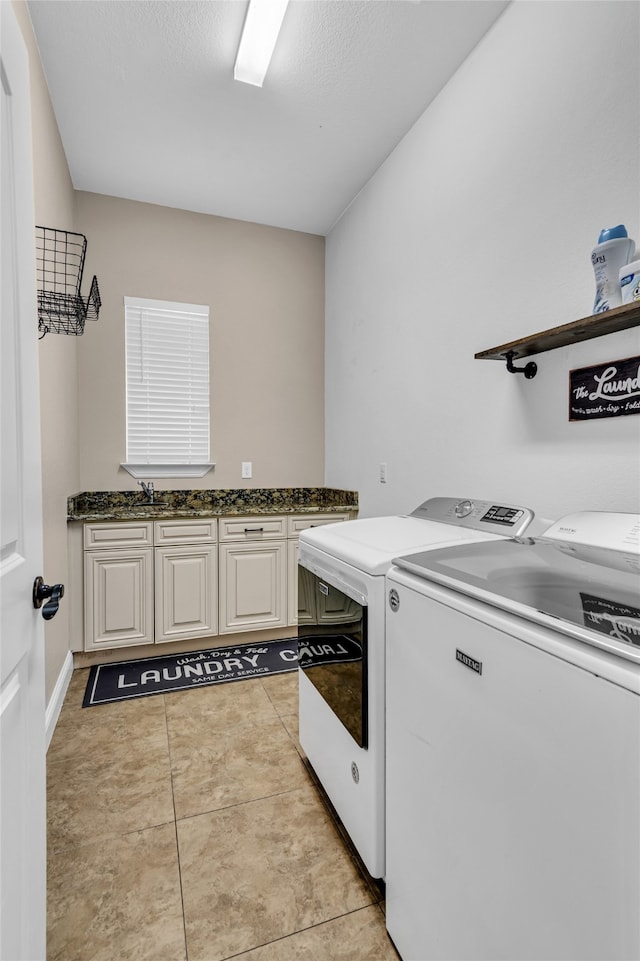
(605, 390)
(612, 618)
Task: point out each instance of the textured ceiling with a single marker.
(148, 110)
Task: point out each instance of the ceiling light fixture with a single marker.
(259, 35)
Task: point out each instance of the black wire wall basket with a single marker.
(60, 258)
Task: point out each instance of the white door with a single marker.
(22, 699)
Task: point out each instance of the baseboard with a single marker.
(57, 697)
(108, 656)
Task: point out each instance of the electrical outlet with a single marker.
(383, 473)
(247, 469)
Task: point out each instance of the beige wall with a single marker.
(265, 290)
(58, 354)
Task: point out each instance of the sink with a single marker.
(123, 512)
(144, 508)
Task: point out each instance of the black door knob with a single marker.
(41, 592)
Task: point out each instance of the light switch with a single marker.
(247, 469)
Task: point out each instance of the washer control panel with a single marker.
(478, 515)
(503, 515)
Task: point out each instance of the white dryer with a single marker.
(341, 646)
(513, 747)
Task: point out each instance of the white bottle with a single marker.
(614, 249)
(630, 282)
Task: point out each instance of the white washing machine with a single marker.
(513, 746)
(341, 646)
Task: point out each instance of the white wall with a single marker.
(476, 231)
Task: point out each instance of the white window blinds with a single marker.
(167, 360)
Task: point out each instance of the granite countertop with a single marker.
(131, 505)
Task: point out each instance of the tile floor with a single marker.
(188, 827)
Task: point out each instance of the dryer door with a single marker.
(332, 649)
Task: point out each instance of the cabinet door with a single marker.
(118, 598)
(253, 586)
(186, 592)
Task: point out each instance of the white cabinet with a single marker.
(118, 585)
(124, 587)
(158, 581)
(253, 574)
(186, 579)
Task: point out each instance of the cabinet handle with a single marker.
(254, 530)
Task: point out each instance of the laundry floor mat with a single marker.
(175, 672)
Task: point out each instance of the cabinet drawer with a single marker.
(252, 528)
(124, 534)
(297, 524)
(201, 531)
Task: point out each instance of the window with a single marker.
(167, 371)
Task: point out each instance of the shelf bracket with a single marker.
(529, 370)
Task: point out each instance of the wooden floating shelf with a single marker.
(620, 318)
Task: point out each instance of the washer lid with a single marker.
(587, 591)
(370, 544)
(599, 534)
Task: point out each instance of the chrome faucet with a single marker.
(148, 490)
